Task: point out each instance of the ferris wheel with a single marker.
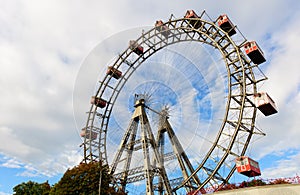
(175, 110)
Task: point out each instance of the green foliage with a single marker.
(84, 179)
(80, 180)
(32, 188)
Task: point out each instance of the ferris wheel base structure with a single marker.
(242, 60)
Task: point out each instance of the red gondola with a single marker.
(89, 135)
(226, 25)
(247, 166)
(192, 14)
(265, 103)
(139, 50)
(114, 72)
(98, 102)
(254, 52)
(162, 28)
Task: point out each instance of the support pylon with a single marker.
(183, 160)
(129, 144)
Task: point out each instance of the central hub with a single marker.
(139, 102)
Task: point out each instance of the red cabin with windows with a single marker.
(133, 45)
(247, 166)
(192, 14)
(265, 103)
(162, 28)
(88, 134)
(98, 102)
(114, 72)
(254, 52)
(226, 25)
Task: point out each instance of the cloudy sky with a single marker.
(44, 43)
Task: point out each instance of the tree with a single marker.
(32, 188)
(84, 179)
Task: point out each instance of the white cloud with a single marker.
(283, 71)
(282, 129)
(43, 43)
(12, 163)
(38, 69)
(283, 86)
(49, 166)
(287, 167)
(9, 138)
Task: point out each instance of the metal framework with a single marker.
(147, 141)
(233, 136)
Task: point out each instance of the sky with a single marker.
(43, 45)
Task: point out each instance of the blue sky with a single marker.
(43, 46)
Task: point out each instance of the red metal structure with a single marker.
(247, 166)
(162, 28)
(226, 25)
(114, 72)
(139, 50)
(89, 135)
(254, 52)
(265, 103)
(98, 102)
(192, 14)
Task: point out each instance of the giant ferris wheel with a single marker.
(177, 107)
